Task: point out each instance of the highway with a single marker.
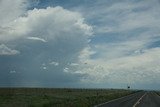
(140, 99)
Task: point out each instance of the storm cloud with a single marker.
(43, 36)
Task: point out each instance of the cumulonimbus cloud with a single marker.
(65, 34)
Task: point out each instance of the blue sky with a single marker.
(80, 43)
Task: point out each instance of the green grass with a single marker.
(48, 97)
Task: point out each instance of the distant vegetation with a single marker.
(46, 97)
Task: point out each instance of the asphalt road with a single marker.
(151, 99)
(140, 99)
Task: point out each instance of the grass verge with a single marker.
(50, 97)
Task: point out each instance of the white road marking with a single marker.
(156, 94)
(139, 100)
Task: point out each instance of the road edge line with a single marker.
(139, 100)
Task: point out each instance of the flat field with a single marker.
(57, 97)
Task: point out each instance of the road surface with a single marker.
(140, 99)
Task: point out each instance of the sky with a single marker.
(80, 43)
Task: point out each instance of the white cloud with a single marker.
(44, 68)
(66, 70)
(48, 24)
(11, 10)
(74, 64)
(4, 50)
(54, 63)
(36, 39)
(85, 54)
(12, 72)
(134, 69)
(120, 49)
(125, 16)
